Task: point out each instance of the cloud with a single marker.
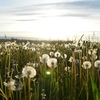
(28, 13)
(26, 20)
(82, 9)
(75, 15)
(78, 5)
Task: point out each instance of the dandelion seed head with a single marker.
(28, 71)
(86, 64)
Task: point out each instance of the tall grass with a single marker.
(49, 83)
(96, 92)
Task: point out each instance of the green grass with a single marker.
(58, 84)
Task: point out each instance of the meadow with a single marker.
(54, 70)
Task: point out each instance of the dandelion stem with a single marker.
(24, 84)
(20, 95)
(9, 61)
(16, 95)
(87, 94)
(74, 74)
(80, 67)
(29, 94)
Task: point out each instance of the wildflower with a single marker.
(76, 61)
(84, 57)
(52, 63)
(78, 51)
(33, 49)
(43, 94)
(28, 71)
(92, 51)
(53, 48)
(51, 54)
(0, 46)
(44, 58)
(66, 45)
(7, 45)
(68, 69)
(71, 59)
(13, 84)
(14, 62)
(64, 56)
(73, 46)
(23, 43)
(18, 86)
(35, 65)
(25, 47)
(93, 57)
(97, 64)
(80, 43)
(20, 75)
(57, 54)
(29, 63)
(28, 43)
(1, 53)
(86, 64)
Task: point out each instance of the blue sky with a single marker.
(50, 19)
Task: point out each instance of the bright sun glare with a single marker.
(53, 27)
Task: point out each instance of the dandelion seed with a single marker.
(43, 94)
(35, 65)
(18, 85)
(76, 61)
(13, 84)
(7, 45)
(71, 59)
(34, 49)
(20, 75)
(92, 51)
(0, 46)
(64, 56)
(84, 58)
(51, 54)
(25, 47)
(66, 45)
(57, 54)
(29, 71)
(73, 46)
(68, 69)
(44, 58)
(86, 64)
(93, 57)
(97, 64)
(52, 63)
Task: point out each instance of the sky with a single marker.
(50, 19)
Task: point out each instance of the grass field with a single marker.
(49, 70)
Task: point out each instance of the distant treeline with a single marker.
(36, 41)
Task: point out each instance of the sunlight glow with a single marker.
(48, 72)
(51, 26)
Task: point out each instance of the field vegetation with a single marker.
(49, 70)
